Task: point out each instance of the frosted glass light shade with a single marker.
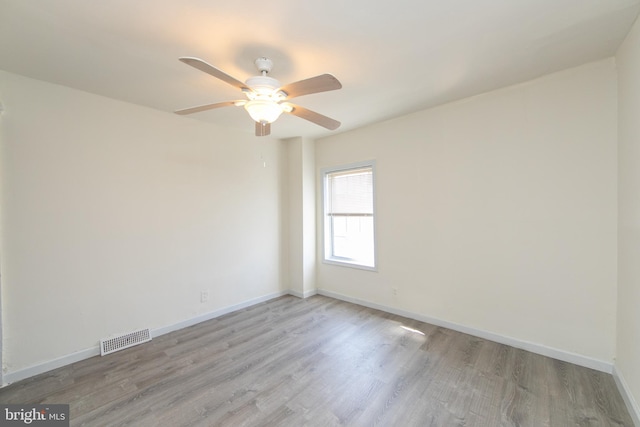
(263, 111)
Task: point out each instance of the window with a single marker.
(349, 215)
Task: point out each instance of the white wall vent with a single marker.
(120, 342)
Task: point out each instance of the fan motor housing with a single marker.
(263, 82)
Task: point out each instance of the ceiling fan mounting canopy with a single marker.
(264, 65)
(266, 96)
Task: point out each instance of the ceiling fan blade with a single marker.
(210, 69)
(205, 107)
(263, 129)
(321, 83)
(313, 117)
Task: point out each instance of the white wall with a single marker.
(302, 241)
(628, 338)
(309, 216)
(115, 217)
(497, 213)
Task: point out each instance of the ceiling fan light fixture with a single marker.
(263, 111)
(263, 106)
(267, 99)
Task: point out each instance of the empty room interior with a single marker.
(321, 213)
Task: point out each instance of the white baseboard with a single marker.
(554, 353)
(632, 405)
(68, 359)
(303, 295)
(213, 314)
(50, 365)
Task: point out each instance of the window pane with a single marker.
(353, 238)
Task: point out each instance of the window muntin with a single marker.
(349, 216)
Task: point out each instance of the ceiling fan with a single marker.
(266, 98)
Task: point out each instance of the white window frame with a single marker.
(327, 243)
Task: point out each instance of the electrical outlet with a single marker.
(395, 292)
(204, 296)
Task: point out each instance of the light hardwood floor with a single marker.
(324, 362)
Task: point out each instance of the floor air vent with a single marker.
(120, 342)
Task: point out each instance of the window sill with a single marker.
(346, 263)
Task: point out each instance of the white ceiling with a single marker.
(392, 57)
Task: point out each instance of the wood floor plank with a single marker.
(324, 362)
